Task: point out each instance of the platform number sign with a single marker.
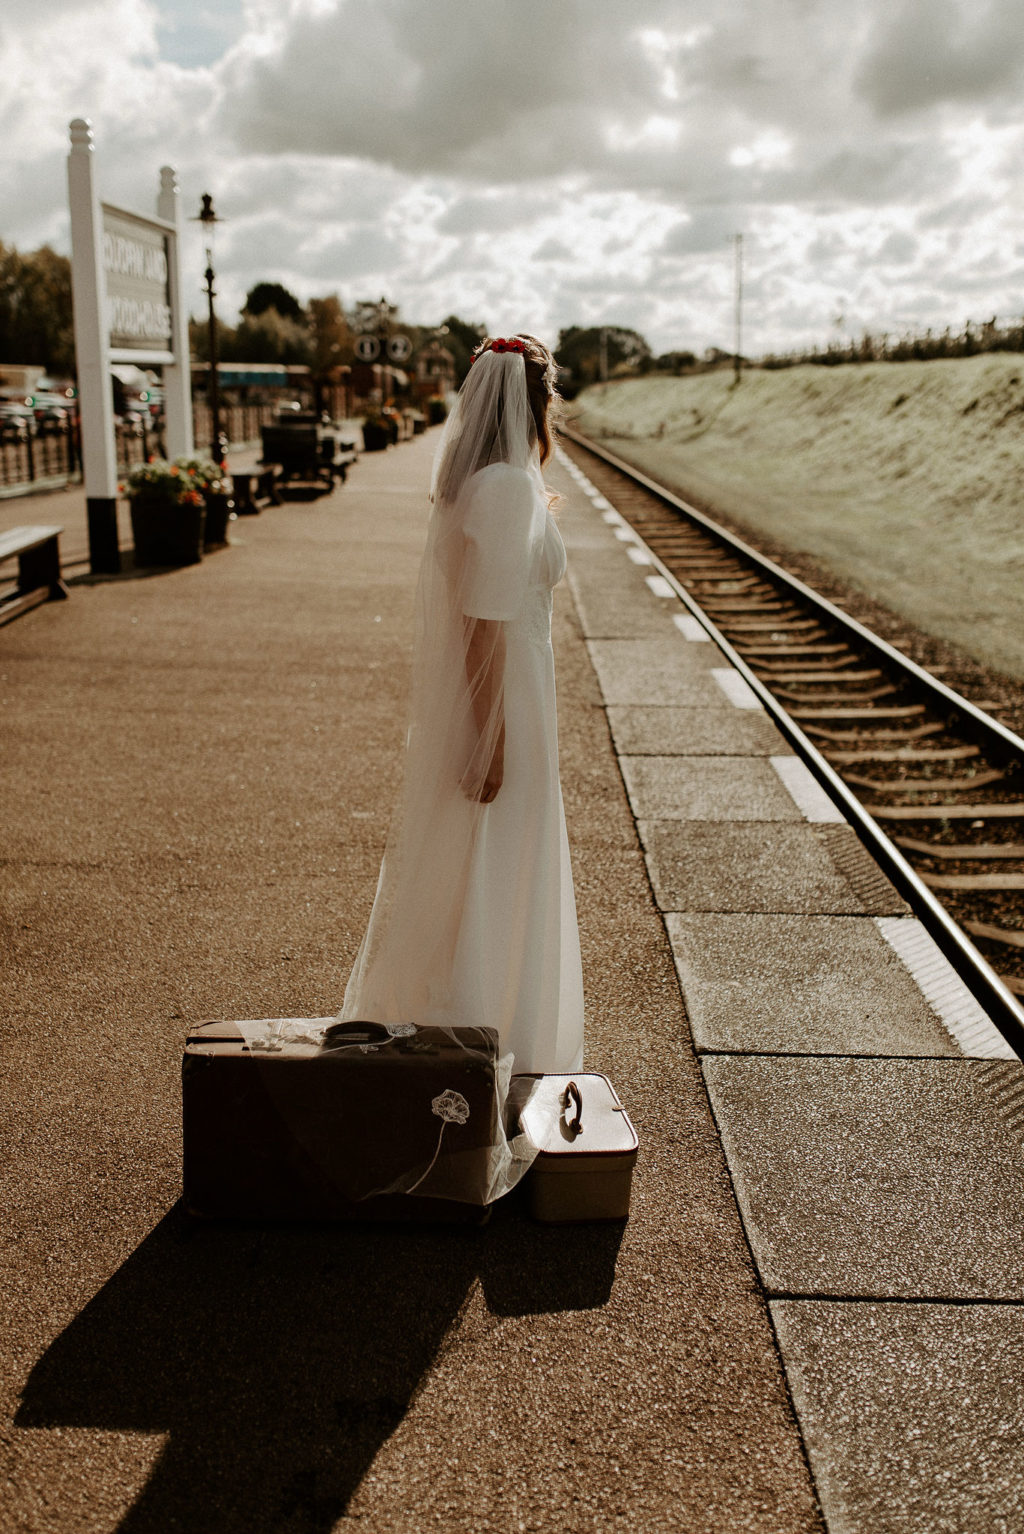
(367, 348)
(399, 348)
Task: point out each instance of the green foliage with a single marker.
(181, 483)
(675, 362)
(36, 325)
(199, 338)
(911, 346)
(462, 340)
(330, 339)
(579, 353)
(268, 337)
(271, 295)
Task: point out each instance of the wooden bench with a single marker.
(253, 486)
(339, 461)
(297, 448)
(39, 580)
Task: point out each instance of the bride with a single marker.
(474, 920)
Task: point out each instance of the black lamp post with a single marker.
(218, 443)
(384, 335)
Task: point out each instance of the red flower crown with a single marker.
(503, 345)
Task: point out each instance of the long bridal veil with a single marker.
(486, 526)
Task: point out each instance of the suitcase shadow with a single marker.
(278, 1360)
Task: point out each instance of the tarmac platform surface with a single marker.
(813, 1318)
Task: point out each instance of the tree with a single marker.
(579, 351)
(269, 337)
(675, 362)
(330, 338)
(330, 342)
(36, 324)
(271, 295)
(462, 340)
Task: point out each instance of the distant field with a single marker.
(905, 478)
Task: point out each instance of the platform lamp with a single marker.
(218, 442)
(384, 336)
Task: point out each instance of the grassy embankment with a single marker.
(904, 478)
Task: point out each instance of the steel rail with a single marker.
(1002, 1006)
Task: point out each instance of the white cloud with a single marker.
(576, 163)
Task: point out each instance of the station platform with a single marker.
(813, 1319)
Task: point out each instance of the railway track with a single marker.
(933, 784)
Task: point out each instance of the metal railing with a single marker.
(50, 458)
(39, 459)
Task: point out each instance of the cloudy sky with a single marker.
(535, 165)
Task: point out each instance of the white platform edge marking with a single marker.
(660, 586)
(690, 629)
(623, 533)
(638, 556)
(806, 792)
(612, 518)
(736, 689)
(960, 1013)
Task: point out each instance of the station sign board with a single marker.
(135, 260)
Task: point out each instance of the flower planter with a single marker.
(166, 532)
(376, 437)
(219, 507)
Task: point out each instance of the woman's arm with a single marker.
(485, 673)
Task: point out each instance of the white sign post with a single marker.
(126, 287)
(177, 374)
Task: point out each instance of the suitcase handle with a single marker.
(339, 1035)
(572, 1099)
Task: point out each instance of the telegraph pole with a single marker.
(738, 352)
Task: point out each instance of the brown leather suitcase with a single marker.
(586, 1146)
(307, 1127)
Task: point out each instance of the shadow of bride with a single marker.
(279, 1360)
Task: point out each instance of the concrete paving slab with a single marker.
(962, 1015)
(874, 1178)
(806, 792)
(690, 627)
(911, 1413)
(817, 985)
(657, 730)
(665, 670)
(763, 868)
(612, 598)
(728, 788)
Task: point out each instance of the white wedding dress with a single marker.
(474, 922)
